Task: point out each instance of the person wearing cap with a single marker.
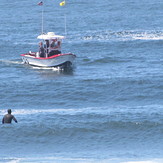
(8, 117)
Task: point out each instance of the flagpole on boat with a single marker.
(42, 16)
(65, 25)
(42, 26)
(65, 19)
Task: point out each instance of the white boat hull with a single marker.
(53, 61)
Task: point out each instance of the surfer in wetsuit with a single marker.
(8, 117)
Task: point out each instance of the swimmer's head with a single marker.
(9, 111)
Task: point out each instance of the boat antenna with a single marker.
(63, 3)
(65, 25)
(42, 26)
(42, 16)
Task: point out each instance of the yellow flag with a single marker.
(62, 3)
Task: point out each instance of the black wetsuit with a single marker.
(8, 118)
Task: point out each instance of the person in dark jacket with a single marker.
(8, 117)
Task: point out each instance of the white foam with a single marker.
(140, 162)
(148, 37)
(47, 68)
(123, 35)
(147, 161)
(41, 111)
(75, 160)
(11, 160)
(147, 109)
(11, 62)
(49, 160)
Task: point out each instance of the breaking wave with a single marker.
(117, 110)
(127, 35)
(76, 160)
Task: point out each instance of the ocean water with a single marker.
(108, 108)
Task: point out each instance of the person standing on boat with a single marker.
(47, 46)
(8, 117)
(52, 45)
(41, 50)
(58, 47)
(55, 46)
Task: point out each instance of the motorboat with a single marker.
(49, 53)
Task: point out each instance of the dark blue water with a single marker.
(109, 108)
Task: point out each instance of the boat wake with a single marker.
(17, 62)
(47, 68)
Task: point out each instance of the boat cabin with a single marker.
(50, 45)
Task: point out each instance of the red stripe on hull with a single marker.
(54, 56)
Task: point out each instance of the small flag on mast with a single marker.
(62, 3)
(40, 3)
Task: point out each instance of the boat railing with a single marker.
(32, 53)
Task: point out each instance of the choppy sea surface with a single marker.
(108, 108)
